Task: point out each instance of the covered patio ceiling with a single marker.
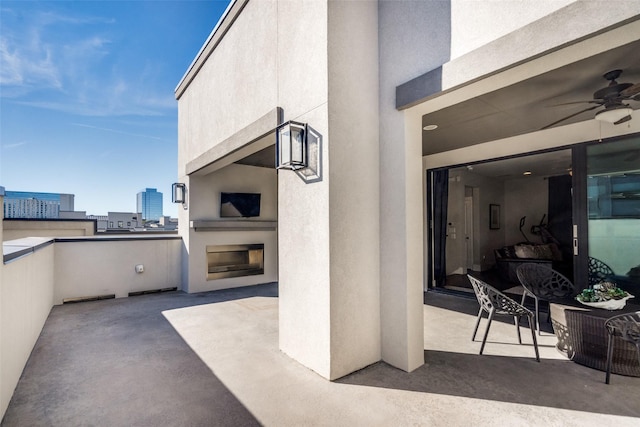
(531, 104)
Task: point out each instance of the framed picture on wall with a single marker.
(494, 217)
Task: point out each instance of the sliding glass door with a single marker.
(613, 212)
(583, 204)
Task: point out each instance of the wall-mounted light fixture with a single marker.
(291, 146)
(178, 192)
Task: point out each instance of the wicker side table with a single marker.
(582, 337)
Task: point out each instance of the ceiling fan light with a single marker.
(612, 115)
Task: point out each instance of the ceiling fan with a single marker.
(611, 98)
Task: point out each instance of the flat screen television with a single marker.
(233, 205)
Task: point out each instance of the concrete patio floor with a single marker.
(175, 359)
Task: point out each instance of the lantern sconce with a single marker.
(291, 146)
(178, 192)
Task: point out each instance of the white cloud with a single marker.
(14, 145)
(137, 135)
(58, 62)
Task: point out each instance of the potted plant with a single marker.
(605, 295)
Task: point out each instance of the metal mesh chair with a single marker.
(543, 283)
(598, 271)
(625, 326)
(495, 302)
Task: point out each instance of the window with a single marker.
(120, 224)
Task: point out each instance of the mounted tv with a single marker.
(234, 205)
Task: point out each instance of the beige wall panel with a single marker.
(304, 260)
(420, 44)
(26, 298)
(354, 186)
(91, 268)
(235, 86)
(475, 23)
(301, 56)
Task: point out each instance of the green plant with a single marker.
(603, 291)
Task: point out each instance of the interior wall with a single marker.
(239, 179)
(527, 196)
(486, 191)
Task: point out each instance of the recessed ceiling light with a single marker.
(527, 173)
(430, 127)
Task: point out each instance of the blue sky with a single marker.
(87, 102)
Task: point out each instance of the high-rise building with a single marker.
(28, 204)
(149, 203)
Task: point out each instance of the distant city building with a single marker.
(27, 204)
(149, 203)
(168, 223)
(118, 221)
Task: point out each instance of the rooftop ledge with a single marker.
(14, 249)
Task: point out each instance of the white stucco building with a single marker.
(348, 238)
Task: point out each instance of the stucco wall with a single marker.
(475, 23)
(304, 227)
(236, 85)
(94, 267)
(233, 178)
(26, 297)
(280, 54)
(354, 186)
(414, 37)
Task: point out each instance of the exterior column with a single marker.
(401, 248)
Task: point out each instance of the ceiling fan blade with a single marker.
(631, 90)
(578, 102)
(570, 116)
(622, 120)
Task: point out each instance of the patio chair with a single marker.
(495, 302)
(625, 326)
(598, 271)
(543, 283)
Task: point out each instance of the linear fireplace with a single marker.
(225, 261)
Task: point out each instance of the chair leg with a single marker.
(524, 296)
(537, 314)
(609, 357)
(473, 338)
(535, 341)
(516, 320)
(486, 333)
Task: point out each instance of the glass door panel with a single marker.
(613, 205)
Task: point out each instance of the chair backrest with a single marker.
(625, 325)
(598, 271)
(544, 282)
(489, 297)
